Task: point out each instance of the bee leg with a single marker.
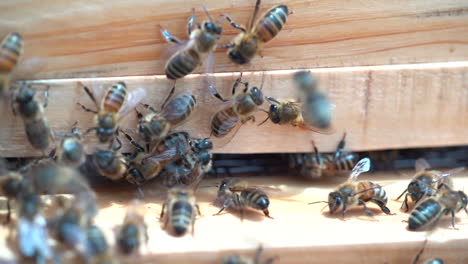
(91, 95)
(198, 209)
(8, 216)
(343, 212)
(227, 46)
(405, 202)
(147, 106)
(169, 96)
(340, 147)
(236, 84)
(234, 24)
(366, 209)
(190, 22)
(133, 142)
(382, 206)
(398, 198)
(453, 219)
(87, 109)
(267, 213)
(46, 97)
(226, 205)
(169, 38)
(162, 211)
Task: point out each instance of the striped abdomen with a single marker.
(182, 217)
(271, 23)
(223, 122)
(178, 109)
(255, 198)
(177, 140)
(10, 50)
(344, 163)
(426, 212)
(181, 64)
(370, 191)
(115, 97)
(38, 133)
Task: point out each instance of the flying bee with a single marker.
(353, 193)
(316, 107)
(178, 212)
(250, 41)
(238, 194)
(429, 261)
(32, 112)
(11, 49)
(202, 41)
(240, 109)
(157, 124)
(32, 235)
(426, 182)
(133, 232)
(238, 259)
(97, 247)
(429, 211)
(112, 109)
(71, 150)
(315, 165)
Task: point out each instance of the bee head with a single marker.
(198, 145)
(416, 190)
(103, 158)
(134, 176)
(463, 199)
(335, 201)
(274, 113)
(257, 96)
(25, 95)
(237, 57)
(213, 28)
(205, 157)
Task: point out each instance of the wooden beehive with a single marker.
(396, 71)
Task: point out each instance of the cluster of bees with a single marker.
(175, 158)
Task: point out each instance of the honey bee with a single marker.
(353, 193)
(425, 183)
(238, 259)
(51, 179)
(110, 164)
(202, 41)
(240, 108)
(133, 232)
(111, 109)
(429, 261)
(178, 212)
(315, 165)
(316, 107)
(157, 125)
(428, 212)
(32, 235)
(11, 185)
(97, 247)
(71, 151)
(11, 49)
(237, 194)
(32, 112)
(250, 41)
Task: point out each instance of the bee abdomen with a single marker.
(115, 97)
(372, 191)
(180, 65)
(10, 50)
(182, 215)
(346, 163)
(424, 213)
(256, 199)
(272, 23)
(223, 122)
(38, 132)
(129, 238)
(179, 108)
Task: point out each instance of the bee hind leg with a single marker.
(169, 38)
(366, 209)
(267, 213)
(383, 207)
(234, 24)
(190, 22)
(453, 219)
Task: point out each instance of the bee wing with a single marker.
(166, 155)
(421, 165)
(448, 173)
(174, 112)
(133, 99)
(362, 166)
(226, 139)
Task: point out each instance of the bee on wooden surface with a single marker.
(71, 150)
(202, 41)
(425, 183)
(157, 124)
(110, 164)
(11, 185)
(353, 193)
(32, 236)
(238, 194)
(429, 211)
(32, 112)
(240, 109)
(97, 248)
(133, 232)
(178, 212)
(315, 165)
(250, 41)
(11, 49)
(429, 261)
(316, 107)
(112, 109)
(238, 259)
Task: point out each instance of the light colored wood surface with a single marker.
(400, 106)
(121, 38)
(299, 233)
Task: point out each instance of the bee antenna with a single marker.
(206, 12)
(318, 202)
(266, 119)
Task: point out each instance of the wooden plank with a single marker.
(299, 233)
(120, 38)
(379, 107)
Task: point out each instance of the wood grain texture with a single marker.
(379, 108)
(121, 38)
(299, 233)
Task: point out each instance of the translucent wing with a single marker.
(178, 110)
(448, 173)
(135, 210)
(133, 99)
(164, 156)
(362, 166)
(421, 165)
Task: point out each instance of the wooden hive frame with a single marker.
(396, 71)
